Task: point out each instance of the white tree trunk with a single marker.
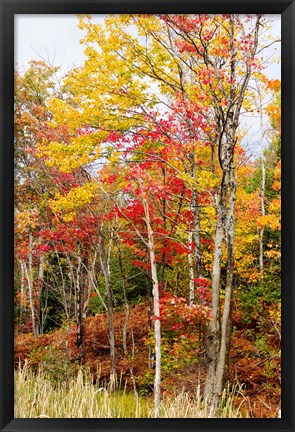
(29, 275)
(222, 363)
(156, 299)
(261, 231)
(106, 272)
(127, 307)
(191, 272)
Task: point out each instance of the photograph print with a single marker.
(147, 230)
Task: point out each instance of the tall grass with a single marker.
(38, 397)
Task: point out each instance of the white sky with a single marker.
(54, 38)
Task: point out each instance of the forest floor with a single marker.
(258, 373)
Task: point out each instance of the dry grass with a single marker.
(37, 397)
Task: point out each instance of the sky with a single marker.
(56, 39)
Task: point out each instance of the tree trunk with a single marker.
(196, 234)
(105, 270)
(39, 294)
(261, 231)
(29, 274)
(212, 331)
(150, 307)
(197, 227)
(157, 322)
(127, 307)
(22, 289)
(163, 260)
(223, 365)
(216, 332)
(80, 335)
(191, 272)
(157, 328)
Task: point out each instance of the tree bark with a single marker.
(212, 332)
(30, 280)
(39, 294)
(105, 270)
(196, 214)
(80, 335)
(150, 310)
(222, 364)
(22, 288)
(191, 272)
(196, 234)
(261, 231)
(156, 299)
(127, 307)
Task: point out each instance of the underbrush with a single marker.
(254, 361)
(36, 396)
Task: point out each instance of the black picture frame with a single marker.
(8, 10)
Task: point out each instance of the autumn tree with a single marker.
(32, 90)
